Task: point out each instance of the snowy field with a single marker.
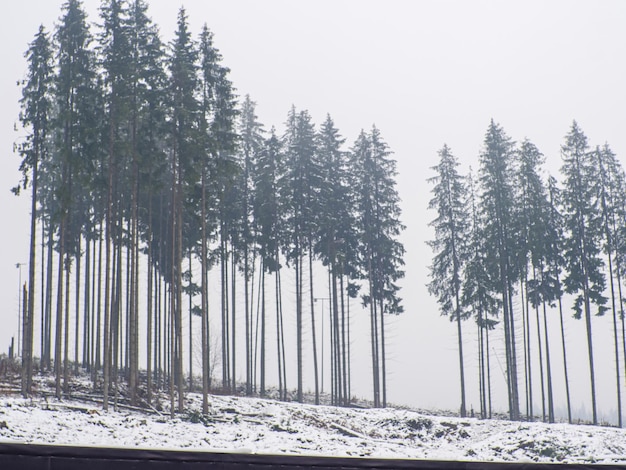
(271, 427)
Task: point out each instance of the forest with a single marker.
(512, 245)
(145, 168)
(177, 244)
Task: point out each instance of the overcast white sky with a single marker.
(425, 72)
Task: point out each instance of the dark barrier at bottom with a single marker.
(43, 457)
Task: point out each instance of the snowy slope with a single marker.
(266, 426)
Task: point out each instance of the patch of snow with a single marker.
(238, 424)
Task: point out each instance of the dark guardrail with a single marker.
(48, 457)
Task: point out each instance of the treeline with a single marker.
(144, 168)
(511, 245)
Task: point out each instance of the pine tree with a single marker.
(497, 206)
(251, 131)
(611, 187)
(184, 122)
(477, 295)
(335, 245)
(380, 252)
(76, 148)
(147, 85)
(300, 178)
(451, 227)
(536, 240)
(555, 261)
(268, 218)
(35, 116)
(583, 222)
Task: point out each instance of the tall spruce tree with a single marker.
(75, 148)
(449, 246)
(335, 245)
(537, 237)
(380, 252)
(184, 139)
(477, 295)
(267, 209)
(497, 202)
(556, 262)
(582, 215)
(300, 179)
(251, 131)
(35, 117)
(611, 187)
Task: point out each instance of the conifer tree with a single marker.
(75, 148)
(477, 294)
(449, 246)
(299, 180)
(556, 261)
(183, 121)
(497, 207)
(536, 239)
(267, 210)
(611, 187)
(585, 278)
(36, 117)
(380, 253)
(335, 245)
(251, 131)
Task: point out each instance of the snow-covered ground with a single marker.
(272, 427)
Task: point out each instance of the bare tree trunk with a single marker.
(87, 307)
(233, 328)
(548, 367)
(313, 333)
(66, 340)
(205, 301)
(190, 325)
(47, 355)
(59, 314)
(543, 392)
(77, 308)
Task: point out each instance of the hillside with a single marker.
(267, 426)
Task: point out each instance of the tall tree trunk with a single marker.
(313, 333)
(59, 314)
(190, 325)
(282, 330)
(149, 304)
(179, 293)
(540, 348)
(563, 347)
(66, 339)
(47, 354)
(233, 328)
(592, 377)
(29, 317)
(87, 310)
(77, 307)
(616, 342)
(488, 374)
(298, 268)
(204, 299)
(548, 366)
(527, 351)
(344, 359)
(460, 340)
(383, 358)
